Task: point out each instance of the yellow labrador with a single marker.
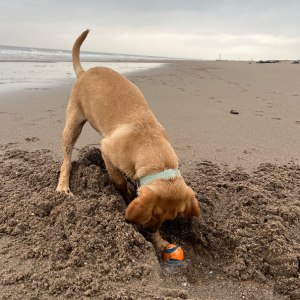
(134, 143)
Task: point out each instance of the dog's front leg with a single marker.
(116, 176)
(119, 180)
(160, 242)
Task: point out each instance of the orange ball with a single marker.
(173, 253)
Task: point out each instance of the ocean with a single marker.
(23, 68)
(11, 53)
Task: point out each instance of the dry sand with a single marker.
(192, 100)
(243, 246)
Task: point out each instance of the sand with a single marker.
(243, 168)
(192, 100)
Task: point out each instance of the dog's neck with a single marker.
(166, 174)
(156, 163)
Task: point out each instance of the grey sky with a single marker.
(236, 29)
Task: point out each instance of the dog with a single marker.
(134, 143)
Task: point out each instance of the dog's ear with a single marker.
(139, 211)
(191, 205)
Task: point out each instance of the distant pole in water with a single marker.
(220, 58)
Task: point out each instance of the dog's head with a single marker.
(162, 200)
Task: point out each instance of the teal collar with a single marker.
(166, 174)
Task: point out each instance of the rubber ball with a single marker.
(173, 253)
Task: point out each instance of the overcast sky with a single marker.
(235, 29)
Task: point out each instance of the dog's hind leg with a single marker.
(74, 122)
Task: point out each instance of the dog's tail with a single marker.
(75, 54)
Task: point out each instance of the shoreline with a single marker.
(29, 75)
(192, 100)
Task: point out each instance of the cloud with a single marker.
(191, 29)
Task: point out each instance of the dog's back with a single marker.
(99, 88)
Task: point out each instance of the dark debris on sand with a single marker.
(53, 245)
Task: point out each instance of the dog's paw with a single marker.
(67, 191)
(162, 245)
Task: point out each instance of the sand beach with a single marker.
(192, 100)
(243, 167)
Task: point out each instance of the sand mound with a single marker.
(81, 246)
(250, 224)
(74, 246)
